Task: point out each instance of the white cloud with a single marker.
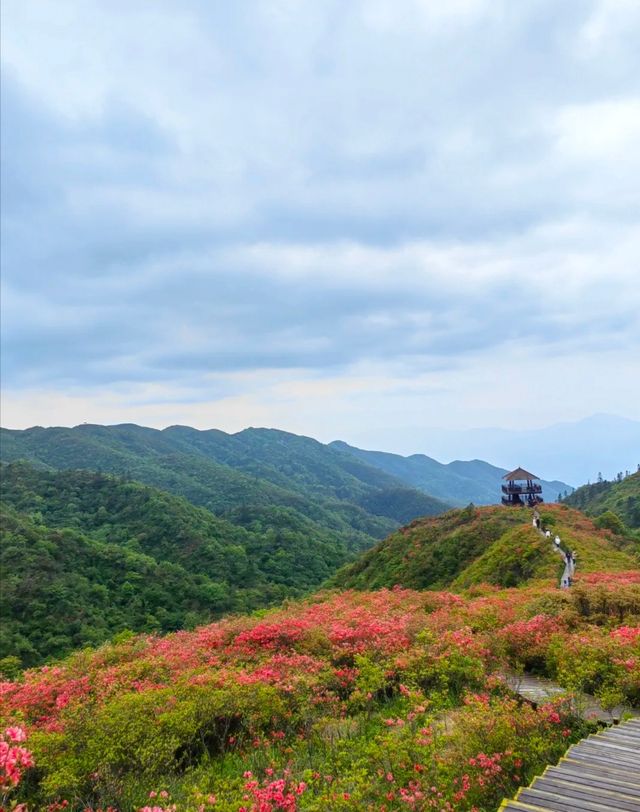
(200, 192)
(600, 131)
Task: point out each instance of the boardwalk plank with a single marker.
(562, 804)
(586, 766)
(599, 774)
(608, 755)
(573, 789)
(593, 779)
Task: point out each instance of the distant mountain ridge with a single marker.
(572, 451)
(112, 527)
(257, 468)
(268, 466)
(462, 481)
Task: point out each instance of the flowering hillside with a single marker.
(486, 545)
(389, 700)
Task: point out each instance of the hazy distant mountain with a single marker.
(462, 482)
(573, 452)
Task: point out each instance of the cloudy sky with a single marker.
(331, 217)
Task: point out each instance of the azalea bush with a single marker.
(388, 700)
(15, 758)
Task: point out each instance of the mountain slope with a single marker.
(621, 497)
(63, 590)
(459, 482)
(93, 542)
(222, 472)
(488, 544)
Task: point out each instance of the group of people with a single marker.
(569, 557)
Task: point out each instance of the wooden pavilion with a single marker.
(521, 489)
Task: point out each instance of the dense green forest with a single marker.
(85, 555)
(264, 464)
(621, 497)
(486, 545)
(223, 523)
(223, 472)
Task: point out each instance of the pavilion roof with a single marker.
(519, 473)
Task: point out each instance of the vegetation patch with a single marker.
(359, 700)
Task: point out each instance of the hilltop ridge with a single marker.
(222, 472)
(186, 460)
(494, 545)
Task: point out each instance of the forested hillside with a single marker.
(225, 523)
(222, 472)
(85, 555)
(494, 545)
(622, 497)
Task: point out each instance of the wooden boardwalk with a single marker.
(538, 690)
(598, 774)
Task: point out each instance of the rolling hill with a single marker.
(344, 700)
(487, 544)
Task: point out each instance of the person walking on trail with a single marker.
(548, 534)
(557, 541)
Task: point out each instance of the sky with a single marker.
(332, 218)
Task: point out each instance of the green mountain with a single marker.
(495, 545)
(459, 482)
(621, 497)
(240, 521)
(222, 472)
(97, 554)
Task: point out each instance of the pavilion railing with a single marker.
(512, 488)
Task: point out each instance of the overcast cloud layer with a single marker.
(327, 217)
